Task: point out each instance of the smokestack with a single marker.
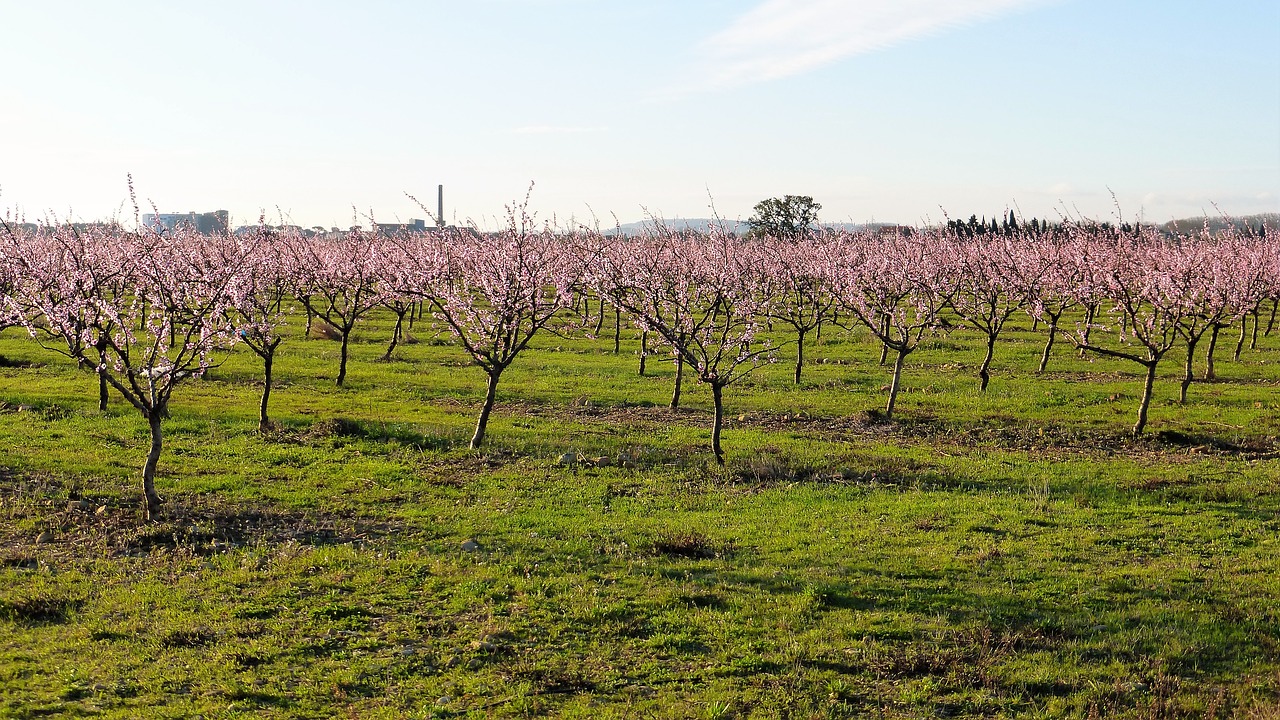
(440, 206)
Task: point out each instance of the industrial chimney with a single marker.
(440, 206)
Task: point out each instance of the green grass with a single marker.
(1007, 554)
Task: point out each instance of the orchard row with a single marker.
(148, 310)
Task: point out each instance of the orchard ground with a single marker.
(1007, 554)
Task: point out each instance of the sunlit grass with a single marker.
(1012, 553)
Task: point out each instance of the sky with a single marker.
(326, 113)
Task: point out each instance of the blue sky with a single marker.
(888, 110)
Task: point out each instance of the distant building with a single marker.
(210, 223)
(393, 228)
(889, 229)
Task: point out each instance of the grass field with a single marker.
(1007, 554)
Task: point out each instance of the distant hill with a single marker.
(738, 227)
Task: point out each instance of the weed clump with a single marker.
(691, 545)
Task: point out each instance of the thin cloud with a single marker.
(780, 38)
(554, 130)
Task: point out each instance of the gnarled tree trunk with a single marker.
(984, 372)
(102, 392)
(675, 395)
(342, 362)
(483, 421)
(1188, 374)
(897, 382)
(644, 350)
(1141, 424)
(268, 359)
(799, 354)
(1048, 346)
(150, 498)
(395, 336)
(1091, 312)
(717, 396)
(1209, 372)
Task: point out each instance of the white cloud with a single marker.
(779, 38)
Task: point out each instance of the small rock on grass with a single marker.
(44, 537)
(470, 545)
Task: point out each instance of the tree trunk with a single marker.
(1090, 313)
(1048, 346)
(617, 330)
(101, 348)
(1146, 398)
(150, 498)
(675, 396)
(1035, 323)
(1244, 321)
(644, 349)
(268, 360)
(884, 346)
(1272, 320)
(483, 422)
(799, 354)
(342, 361)
(1209, 373)
(600, 318)
(395, 338)
(896, 384)
(985, 371)
(102, 391)
(717, 392)
(310, 316)
(1189, 373)
(1253, 337)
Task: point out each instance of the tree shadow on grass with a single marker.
(8, 362)
(78, 524)
(352, 429)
